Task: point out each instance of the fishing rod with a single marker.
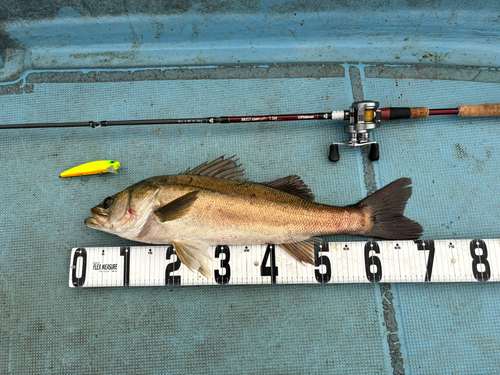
(363, 117)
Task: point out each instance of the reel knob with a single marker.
(334, 153)
(374, 152)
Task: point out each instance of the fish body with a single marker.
(94, 167)
(212, 205)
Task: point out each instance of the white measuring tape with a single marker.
(336, 262)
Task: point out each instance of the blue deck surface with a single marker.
(46, 327)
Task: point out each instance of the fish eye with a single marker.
(107, 202)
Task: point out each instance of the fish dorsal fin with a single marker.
(302, 251)
(177, 208)
(219, 168)
(190, 253)
(292, 185)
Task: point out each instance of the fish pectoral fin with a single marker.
(111, 169)
(292, 185)
(190, 253)
(302, 251)
(177, 208)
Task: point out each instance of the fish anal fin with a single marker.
(302, 251)
(221, 167)
(292, 185)
(177, 208)
(191, 252)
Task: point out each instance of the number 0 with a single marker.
(79, 253)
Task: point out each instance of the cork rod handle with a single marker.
(419, 112)
(480, 110)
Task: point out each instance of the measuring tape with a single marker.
(335, 262)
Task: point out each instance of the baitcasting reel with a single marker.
(363, 117)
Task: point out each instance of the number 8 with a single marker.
(480, 259)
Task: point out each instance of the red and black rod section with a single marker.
(309, 116)
(224, 120)
(396, 113)
(449, 111)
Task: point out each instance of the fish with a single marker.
(213, 204)
(93, 167)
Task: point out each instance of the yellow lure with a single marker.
(94, 167)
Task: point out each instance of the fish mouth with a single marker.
(97, 221)
(91, 223)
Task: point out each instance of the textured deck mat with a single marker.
(454, 164)
(46, 327)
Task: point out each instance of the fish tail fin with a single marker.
(386, 207)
